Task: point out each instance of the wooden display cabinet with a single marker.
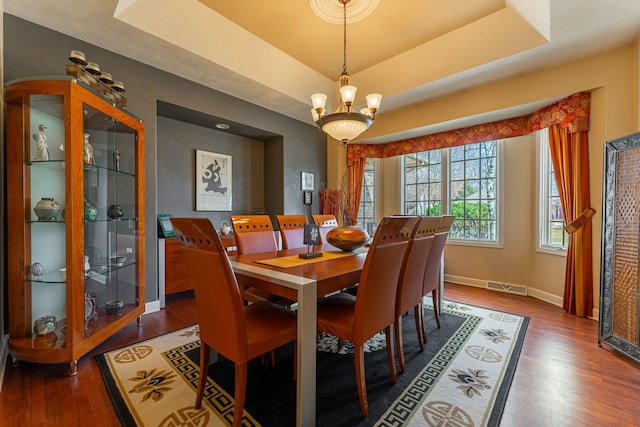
(67, 143)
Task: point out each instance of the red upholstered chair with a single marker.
(411, 280)
(239, 332)
(326, 223)
(431, 282)
(254, 234)
(292, 230)
(358, 318)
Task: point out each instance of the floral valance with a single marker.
(571, 113)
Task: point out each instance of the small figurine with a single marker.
(88, 150)
(42, 149)
(116, 160)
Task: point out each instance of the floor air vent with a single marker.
(506, 287)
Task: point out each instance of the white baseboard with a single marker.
(546, 296)
(532, 292)
(536, 293)
(468, 281)
(4, 353)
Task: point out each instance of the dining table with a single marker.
(285, 274)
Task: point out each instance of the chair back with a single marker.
(375, 301)
(254, 234)
(432, 270)
(218, 300)
(415, 261)
(326, 223)
(292, 230)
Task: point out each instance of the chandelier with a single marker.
(345, 124)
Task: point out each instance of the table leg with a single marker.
(306, 348)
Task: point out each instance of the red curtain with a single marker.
(355, 174)
(570, 157)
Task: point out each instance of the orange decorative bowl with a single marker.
(347, 238)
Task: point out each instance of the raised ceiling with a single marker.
(276, 53)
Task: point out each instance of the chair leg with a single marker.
(418, 319)
(205, 351)
(358, 357)
(390, 353)
(241, 392)
(422, 326)
(435, 295)
(397, 327)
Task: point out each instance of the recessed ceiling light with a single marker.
(222, 126)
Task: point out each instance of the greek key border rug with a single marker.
(461, 379)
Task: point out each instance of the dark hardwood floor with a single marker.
(563, 378)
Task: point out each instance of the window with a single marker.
(473, 196)
(366, 212)
(551, 235)
(423, 183)
(460, 181)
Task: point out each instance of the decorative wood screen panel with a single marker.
(619, 314)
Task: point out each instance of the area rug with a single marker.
(461, 379)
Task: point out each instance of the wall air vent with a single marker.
(506, 287)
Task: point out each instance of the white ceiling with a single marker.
(277, 53)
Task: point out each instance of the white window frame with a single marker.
(376, 191)
(446, 189)
(543, 171)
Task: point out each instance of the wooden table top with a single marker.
(331, 275)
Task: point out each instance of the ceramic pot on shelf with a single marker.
(47, 209)
(90, 211)
(115, 212)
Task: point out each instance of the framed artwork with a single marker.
(307, 181)
(213, 181)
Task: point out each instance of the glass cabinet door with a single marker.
(111, 225)
(44, 215)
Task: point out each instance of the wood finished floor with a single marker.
(563, 378)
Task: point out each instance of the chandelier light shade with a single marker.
(345, 124)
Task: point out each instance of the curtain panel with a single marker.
(570, 157)
(568, 121)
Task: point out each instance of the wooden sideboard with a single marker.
(176, 275)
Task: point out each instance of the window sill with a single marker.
(549, 250)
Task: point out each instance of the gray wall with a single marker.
(31, 50)
(177, 142)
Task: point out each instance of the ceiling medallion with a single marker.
(331, 10)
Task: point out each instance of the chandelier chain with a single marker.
(344, 59)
